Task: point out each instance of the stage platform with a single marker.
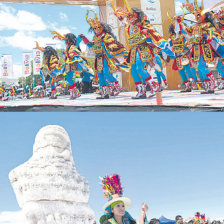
(172, 100)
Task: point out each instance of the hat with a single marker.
(113, 191)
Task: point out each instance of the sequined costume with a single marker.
(141, 39)
(74, 61)
(51, 69)
(219, 42)
(181, 57)
(110, 54)
(201, 50)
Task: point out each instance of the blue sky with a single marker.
(22, 24)
(172, 161)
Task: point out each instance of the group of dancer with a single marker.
(147, 51)
(116, 207)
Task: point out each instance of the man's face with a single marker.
(98, 29)
(180, 220)
(199, 18)
(67, 42)
(132, 18)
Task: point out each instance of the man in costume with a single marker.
(116, 206)
(140, 37)
(51, 69)
(219, 36)
(74, 61)
(181, 62)
(110, 55)
(201, 50)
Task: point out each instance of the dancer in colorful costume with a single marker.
(115, 208)
(74, 61)
(52, 68)
(110, 54)
(201, 50)
(181, 62)
(140, 35)
(219, 16)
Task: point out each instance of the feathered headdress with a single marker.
(112, 185)
(93, 22)
(202, 217)
(113, 191)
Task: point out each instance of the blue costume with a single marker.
(201, 51)
(108, 53)
(74, 62)
(181, 58)
(51, 69)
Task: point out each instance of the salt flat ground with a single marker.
(172, 100)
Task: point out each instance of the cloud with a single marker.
(21, 20)
(26, 41)
(63, 16)
(178, 7)
(88, 6)
(12, 218)
(62, 30)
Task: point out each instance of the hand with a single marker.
(82, 36)
(144, 207)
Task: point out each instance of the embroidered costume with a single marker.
(201, 50)
(109, 53)
(140, 37)
(74, 61)
(181, 57)
(52, 69)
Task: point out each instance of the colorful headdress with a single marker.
(129, 9)
(38, 47)
(172, 19)
(202, 217)
(197, 215)
(113, 191)
(122, 12)
(93, 22)
(196, 9)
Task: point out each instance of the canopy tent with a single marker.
(164, 220)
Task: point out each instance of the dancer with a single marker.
(201, 50)
(140, 35)
(219, 36)
(52, 69)
(116, 206)
(181, 62)
(110, 54)
(74, 61)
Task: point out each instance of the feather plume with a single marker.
(112, 185)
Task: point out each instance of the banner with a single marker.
(37, 61)
(26, 64)
(152, 10)
(7, 67)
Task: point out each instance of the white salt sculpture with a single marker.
(48, 187)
